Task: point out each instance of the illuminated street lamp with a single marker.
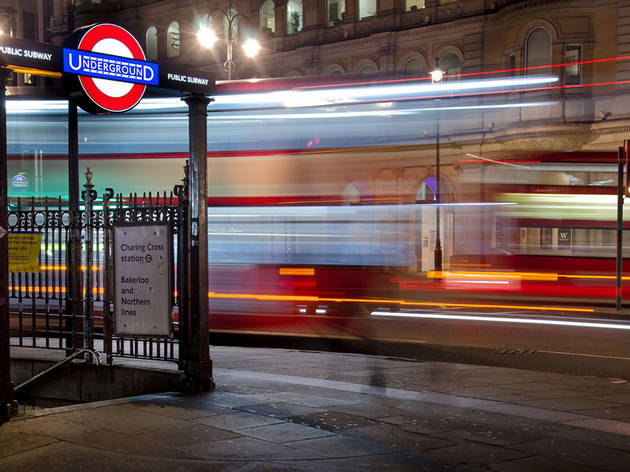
(436, 77)
(207, 37)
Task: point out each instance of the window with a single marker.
(368, 69)
(29, 26)
(367, 8)
(538, 50)
(511, 64)
(172, 40)
(413, 5)
(415, 68)
(573, 72)
(151, 40)
(30, 79)
(233, 14)
(268, 16)
(336, 11)
(294, 16)
(450, 65)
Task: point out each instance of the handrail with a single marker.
(74, 355)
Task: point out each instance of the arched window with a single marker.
(295, 16)
(415, 68)
(426, 192)
(151, 42)
(172, 40)
(450, 64)
(336, 11)
(204, 21)
(368, 69)
(268, 16)
(367, 8)
(538, 49)
(412, 5)
(226, 25)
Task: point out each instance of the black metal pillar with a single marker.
(7, 402)
(620, 192)
(198, 366)
(73, 254)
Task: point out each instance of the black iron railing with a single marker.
(39, 315)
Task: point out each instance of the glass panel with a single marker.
(412, 5)
(336, 11)
(268, 16)
(172, 40)
(152, 43)
(226, 25)
(367, 8)
(294, 16)
(538, 49)
(573, 72)
(415, 68)
(450, 64)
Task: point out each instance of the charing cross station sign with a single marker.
(103, 68)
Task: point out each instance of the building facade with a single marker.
(411, 37)
(585, 44)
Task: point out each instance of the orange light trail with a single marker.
(470, 265)
(296, 271)
(27, 289)
(388, 301)
(62, 267)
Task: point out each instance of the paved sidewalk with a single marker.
(288, 410)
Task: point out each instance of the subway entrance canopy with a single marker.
(103, 68)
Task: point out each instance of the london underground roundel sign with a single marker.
(105, 69)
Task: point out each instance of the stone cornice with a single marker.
(561, 137)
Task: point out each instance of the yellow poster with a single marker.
(24, 252)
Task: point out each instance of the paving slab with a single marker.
(292, 411)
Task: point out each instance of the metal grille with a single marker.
(39, 302)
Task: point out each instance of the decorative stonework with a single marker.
(449, 11)
(557, 138)
(565, 138)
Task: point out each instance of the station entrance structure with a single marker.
(103, 69)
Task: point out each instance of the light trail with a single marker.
(310, 298)
(504, 319)
(490, 275)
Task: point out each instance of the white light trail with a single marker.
(503, 319)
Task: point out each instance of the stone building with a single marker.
(585, 44)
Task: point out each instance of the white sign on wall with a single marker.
(142, 299)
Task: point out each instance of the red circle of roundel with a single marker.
(88, 41)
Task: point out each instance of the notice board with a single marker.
(24, 249)
(142, 280)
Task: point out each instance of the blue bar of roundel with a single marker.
(103, 66)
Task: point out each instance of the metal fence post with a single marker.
(183, 300)
(108, 277)
(89, 195)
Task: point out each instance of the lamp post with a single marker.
(436, 77)
(207, 37)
